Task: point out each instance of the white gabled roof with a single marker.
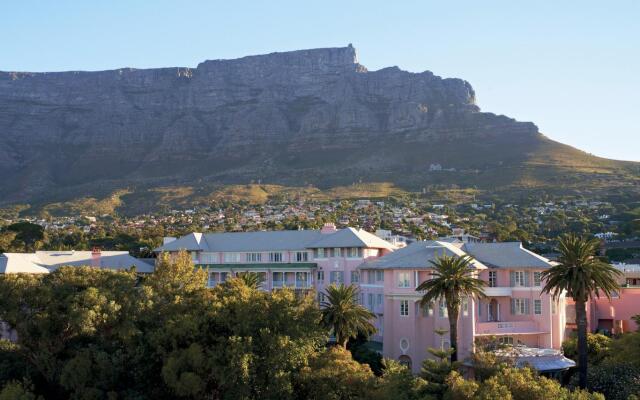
(21, 263)
(418, 255)
(506, 255)
(43, 262)
(351, 237)
(275, 240)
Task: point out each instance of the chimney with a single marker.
(95, 257)
(328, 227)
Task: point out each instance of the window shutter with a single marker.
(513, 306)
(526, 279)
(526, 306)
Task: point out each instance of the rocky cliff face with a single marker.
(310, 116)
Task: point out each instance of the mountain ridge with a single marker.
(295, 118)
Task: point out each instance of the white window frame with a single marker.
(335, 274)
(520, 306)
(537, 307)
(379, 299)
(519, 279)
(537, 278)
(355, 277)
(465, 307)
(404, 308)
(302, 256)
(442, 309)
(253, 257)
(321, 253)
(320, 276)
(379, 275)
(493, 278)
(404, 280)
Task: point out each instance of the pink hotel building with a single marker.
(514, 309)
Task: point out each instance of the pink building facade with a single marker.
(514, 310)
(613, 316)
(301, 260)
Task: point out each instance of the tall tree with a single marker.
(582, 276)
(452, 280)
(344, 316)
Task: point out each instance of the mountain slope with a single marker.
(302, 117)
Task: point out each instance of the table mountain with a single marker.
(301, 117)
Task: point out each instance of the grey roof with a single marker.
(540, 359)
(417, 255)
(274, 240)
(47, 261)
(505, 255)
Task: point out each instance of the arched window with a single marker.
(405, 360)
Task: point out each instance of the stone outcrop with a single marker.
(310, 116)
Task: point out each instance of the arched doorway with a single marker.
(405, 360)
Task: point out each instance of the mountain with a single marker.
(294, 118)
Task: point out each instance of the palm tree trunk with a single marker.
(453, 333)
(581, 320)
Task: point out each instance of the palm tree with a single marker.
(582, 275)
(251, 279)
(342, 314)
(451, 280)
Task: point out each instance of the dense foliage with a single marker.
(87, 333)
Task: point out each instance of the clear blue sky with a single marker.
(572, 67)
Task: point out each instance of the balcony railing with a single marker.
(498, 291)
(506, 327)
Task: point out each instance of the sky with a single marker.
(572, 67)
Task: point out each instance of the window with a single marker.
(554, 306)
(537, 307)
(302, 256)
(275, 257)
(537, 278)
(194, 256)
(405, 361)
(404, 280)
(231, 257)
(493, 278)
(427, 310)
(465, 307)
(380, 276)
(213, 279)
(320, 253)
(278, 279)
(520, 306)
(320, 297)
(337, 252)
(302, 279)
(320, 276)
(506, 340)
(337, 277)
(519, 278)
(355, 276)
(353, 252)
(371, 300)
(371, 276)
(379, 299)
(254, 257)
(404, 308)
(442, 309)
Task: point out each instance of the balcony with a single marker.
(507, 328)
(498, 291)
